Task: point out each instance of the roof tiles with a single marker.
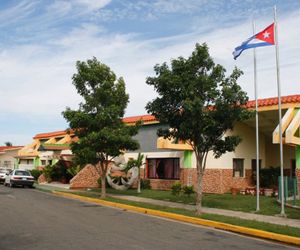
(150, 118)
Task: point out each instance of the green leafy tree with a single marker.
(200, 104)
(98, 121)
(8, 143)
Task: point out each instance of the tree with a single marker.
(8, 143)
(138, 162)
(200, 104)
(98, 122)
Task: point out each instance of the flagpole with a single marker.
(279, 110)
(256, 124)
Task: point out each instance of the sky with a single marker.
(41, 40)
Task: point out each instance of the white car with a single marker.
(3, 173)
(19, 178)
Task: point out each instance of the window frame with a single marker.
(242, 171)
(173, 168)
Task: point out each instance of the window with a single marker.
(7, 164)
(293, 168)
(43, 162)
(163, 168)
(238, 167)
(22, 172)
(253, 168)
(29, 161)
(26, 161)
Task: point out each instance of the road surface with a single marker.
(31, 219)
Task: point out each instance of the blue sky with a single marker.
(42, 39)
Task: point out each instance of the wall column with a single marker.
(187, 164)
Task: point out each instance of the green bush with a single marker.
(57, 172)
(176, 188)
(48, 171)
(188, 190)
(268, 177)
(145, 184)
(36, 173)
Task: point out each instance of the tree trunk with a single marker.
(103, 179)
(139, 183)
(200, 172)
(103, 185)
(199, 193)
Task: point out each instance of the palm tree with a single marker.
(137, 163)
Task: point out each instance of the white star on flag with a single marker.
(266, 34)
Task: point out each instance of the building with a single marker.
(7, 156)
(167, 162)
(46, 149)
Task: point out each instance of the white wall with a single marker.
(246, 150)
(8, 156)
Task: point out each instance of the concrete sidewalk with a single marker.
(236, 214)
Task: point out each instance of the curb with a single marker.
(219, 225)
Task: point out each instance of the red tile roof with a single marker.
(2, 148)
(144, 118)
(51, 134)
(274, 101)
(150, 118)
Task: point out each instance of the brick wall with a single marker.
(297, 173)
(86, 178)
(42, 179)
(216, 180)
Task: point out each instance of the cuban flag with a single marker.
(263, 38)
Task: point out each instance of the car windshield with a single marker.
(21, 172)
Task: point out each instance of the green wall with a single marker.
(297, 157)
(187, 160)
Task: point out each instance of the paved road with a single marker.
(30, 219)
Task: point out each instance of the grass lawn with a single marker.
(296, 203)
(244, 203)
(226, 219)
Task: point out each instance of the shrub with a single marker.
(48, 171)
(268, 177)
(188, 190)
(36, 173)
(176, 188)
(74, 170)
(57, 172)
(145, 184)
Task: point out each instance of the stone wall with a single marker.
(216, 180)
(86, 178)
(297, 173)
(42, 179)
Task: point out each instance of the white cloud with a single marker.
(92, 4)
(36, 78)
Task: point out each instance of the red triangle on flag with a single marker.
(267, 35)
